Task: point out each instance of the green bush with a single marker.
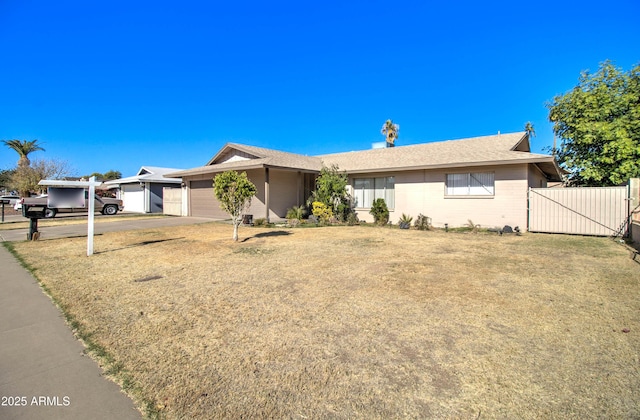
(260, 222)
(296, 212)
(380, 212)
(352, 219)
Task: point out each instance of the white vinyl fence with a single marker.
(599, 211)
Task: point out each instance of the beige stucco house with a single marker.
(483, 179)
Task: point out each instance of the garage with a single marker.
(203, 202)
(132, 198)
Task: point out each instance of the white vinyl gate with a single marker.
(599, 211)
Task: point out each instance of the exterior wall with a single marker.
(424, 192)
(536, 178)
(286, 191)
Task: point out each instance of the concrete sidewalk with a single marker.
(44, 373)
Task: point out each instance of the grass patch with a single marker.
(354, 322)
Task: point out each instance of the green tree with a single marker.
(390, 132)
(110, 175)
(234, 192)
(5, 177)
(331, 189)
(107, 176)
(598, 124)
(23, 148)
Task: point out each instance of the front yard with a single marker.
(355, 322)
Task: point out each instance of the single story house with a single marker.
(483, 179)
(144, 192)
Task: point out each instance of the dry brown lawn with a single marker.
(72, 219)
(357, 322)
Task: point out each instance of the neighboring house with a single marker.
(483, 179)
(143, 193)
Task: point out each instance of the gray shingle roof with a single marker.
(478, 151)
(497, 149)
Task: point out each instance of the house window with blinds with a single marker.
(471, 184)
(366, 190)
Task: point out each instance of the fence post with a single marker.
(634, 209)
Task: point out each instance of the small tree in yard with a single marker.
(234, 191)
(331, 189)
(380, 211)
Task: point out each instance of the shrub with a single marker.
(322, 211)
(296, 212)
(380, 211)
(423, 222)
(260, 222)
(405, 221)
(352, 219)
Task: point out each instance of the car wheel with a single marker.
(50, 213)
(110, 210)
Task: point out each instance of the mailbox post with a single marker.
(34, 213)
(3, 202)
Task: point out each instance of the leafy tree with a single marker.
(110, 175)
(5, 177)
(331, 189)
(23, 148)
(234, 192)
(25, 179)
(390, 131)
(598, 123)
(107, 176)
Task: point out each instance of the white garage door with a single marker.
(132, 198)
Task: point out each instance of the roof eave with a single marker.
(212, 169)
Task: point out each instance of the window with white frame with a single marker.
(366, 190)
(477, 183)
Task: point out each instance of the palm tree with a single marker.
(528, 127)
(390, 131)
(23, 148)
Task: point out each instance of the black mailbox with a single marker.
(5, 201)
(33, 212)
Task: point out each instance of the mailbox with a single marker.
(5, 201)
(34, 212)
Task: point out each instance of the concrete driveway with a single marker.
(125, 222)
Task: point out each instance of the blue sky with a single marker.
(122, 84)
